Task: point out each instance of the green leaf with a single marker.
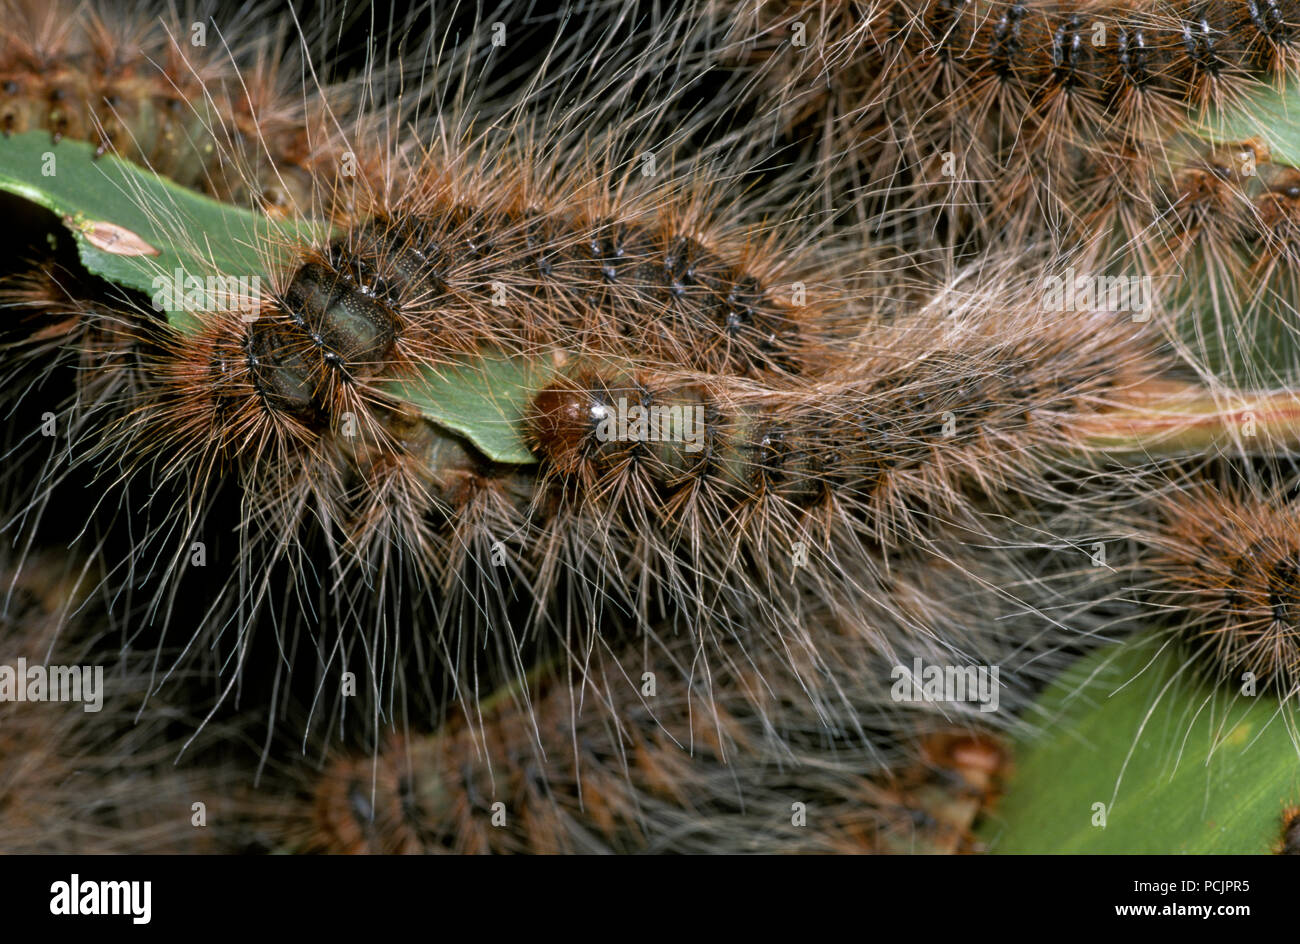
(133, 226)
(1182, 766)
(1270, 113)
(142, 231)
(483, 398)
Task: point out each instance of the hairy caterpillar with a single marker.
(1005, 84)
(1226, 564)
(348, 534)
(1103, 130)
(228, 120)
(679, 811)
(734, 758)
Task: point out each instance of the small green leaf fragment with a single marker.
(483, 398)
(139, 230)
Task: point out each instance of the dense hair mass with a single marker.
(611, 441)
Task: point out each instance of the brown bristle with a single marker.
(668, 763)
(1230, 562)
(219, 119)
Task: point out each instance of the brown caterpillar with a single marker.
(348, 535)
(1019, 91)
(639, 758)
(401, 809)
(416, 285)
(846, 447)
(169, 92)
(1094, 129)
(1226, 563)
(839, 471)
